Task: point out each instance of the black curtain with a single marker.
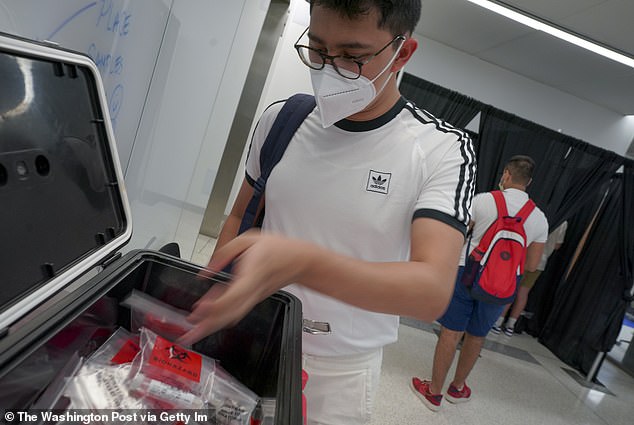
(541, 298)
(590, 304)
(627, 246)
(450, 106)
(583, 172)
(568, 171)
(503, 135)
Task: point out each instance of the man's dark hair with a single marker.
(521, 168)
(398, 16)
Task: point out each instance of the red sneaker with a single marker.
(421, 389)
(454, 395)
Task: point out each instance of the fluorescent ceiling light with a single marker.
(523, 18)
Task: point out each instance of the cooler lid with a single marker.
(63, 207)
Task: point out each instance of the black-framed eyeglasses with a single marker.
(345, 65)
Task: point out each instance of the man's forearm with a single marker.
(413, 289)
(229, 231)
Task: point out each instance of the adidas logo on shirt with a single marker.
(378, 182)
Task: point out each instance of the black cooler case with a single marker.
(64, 216)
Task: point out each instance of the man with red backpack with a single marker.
(508, 233)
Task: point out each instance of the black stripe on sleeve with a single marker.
(466, 182)
(441, 216)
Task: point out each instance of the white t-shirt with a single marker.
(556, 237)
(484, 213)
(355, 188)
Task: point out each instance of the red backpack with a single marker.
(493, 269)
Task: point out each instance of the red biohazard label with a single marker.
(126, 353)
(176, 359)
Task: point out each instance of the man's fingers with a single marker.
(193, 336)
(205, 321)
(226, 304)
(212, 293)
(232, 249)
(216, 311)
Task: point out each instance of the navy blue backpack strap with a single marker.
(295, 110)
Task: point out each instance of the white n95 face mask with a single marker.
(338, 97)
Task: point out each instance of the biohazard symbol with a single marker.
(177, 354)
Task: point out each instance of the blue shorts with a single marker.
(467, 314)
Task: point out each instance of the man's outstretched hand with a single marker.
(263, 264)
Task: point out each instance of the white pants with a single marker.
(341, 390)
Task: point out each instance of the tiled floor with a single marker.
(516, 381)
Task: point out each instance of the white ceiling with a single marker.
(539, 56)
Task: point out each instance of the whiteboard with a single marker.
(123, 38)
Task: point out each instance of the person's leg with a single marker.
(520, 302)
(498, 325)
(443, 357)
(506, 310)
(527, 282)
(482, 319)
(430, 392)
(469, 353)
(453, 323)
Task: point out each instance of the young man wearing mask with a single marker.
(365, 213)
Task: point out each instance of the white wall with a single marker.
(183, 64)
(193, 96)
(123, 38)
(287, 76)
(518, 95)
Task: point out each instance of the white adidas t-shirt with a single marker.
(355, 188)
(485, 212)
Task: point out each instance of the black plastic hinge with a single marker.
(100, 238)
(111, 259)
(58, 69)
(48, 269)
(72, 70)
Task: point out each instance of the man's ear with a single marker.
(404, 55)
